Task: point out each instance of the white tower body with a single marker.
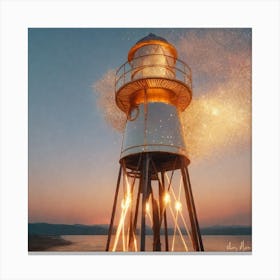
(152, 88)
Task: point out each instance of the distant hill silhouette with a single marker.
(77, 229)
(227, 230)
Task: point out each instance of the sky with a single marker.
(74, 128)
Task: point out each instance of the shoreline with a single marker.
(44, 242)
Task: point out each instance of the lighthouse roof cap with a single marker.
(150, 37)
(150, 40)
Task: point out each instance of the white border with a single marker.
(17, 16)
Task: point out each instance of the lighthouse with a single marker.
(152, 89)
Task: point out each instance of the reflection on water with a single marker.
(212, 243)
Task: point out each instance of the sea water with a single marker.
(212, 243)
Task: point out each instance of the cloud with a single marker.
(219, 116)
(104, 88)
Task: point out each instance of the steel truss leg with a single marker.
(200, 243)
(114, 209)
(144, 187)
(195, 231)
(164, 214)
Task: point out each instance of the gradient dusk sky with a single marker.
(74, 146)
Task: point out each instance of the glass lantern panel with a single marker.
(153, 61)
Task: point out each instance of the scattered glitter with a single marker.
(219, 116)
(104, 88)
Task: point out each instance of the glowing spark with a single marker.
(128, 187)
(150, 217)
(166, 198)
(185, 225)
(147, 207)
(215, 112)
(120, 226)
(126, 202)
(179, 230)
(123, 238)
(178, 206)
(174, 233)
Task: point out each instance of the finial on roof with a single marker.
(150, 37)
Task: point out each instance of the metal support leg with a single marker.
(200, 243)
(195, 232)
(164, 214)
(136, 208)
(156, 226)
(114, 210)
(134, 222)
(190, 208)
(144, 187)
